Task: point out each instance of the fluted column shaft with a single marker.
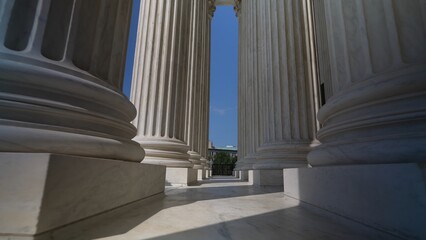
(375, 111)
(211, 8)
(247, 83)
(249, 124)
(278, 103)
(198, 83)
(195, 78)
(61, 71)
(242, 81)
(285, 86)
(159, 87)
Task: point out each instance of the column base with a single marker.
(41, 192)
(376, 121)
(165, 151)
(266, 177)
(389, 197)
(195, 159)
(280, 155)
(244, 175)
(181, 176)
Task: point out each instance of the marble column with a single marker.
(64, 123)
(159, 86)
(248, 110)
(284, 85)
(374, 82)
(211, 8)
(242, 164)
(194, 93)
(198, 85)
(278, 102)
(372, 71)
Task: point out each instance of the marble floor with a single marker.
(224, 208)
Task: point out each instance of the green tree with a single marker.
(222, 158)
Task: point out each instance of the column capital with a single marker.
(211, 8)
(237, 7)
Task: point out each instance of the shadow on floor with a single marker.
(122, 221)
(242, 211)
(296, 223)
(292, 223)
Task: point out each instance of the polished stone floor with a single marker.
(224, 208)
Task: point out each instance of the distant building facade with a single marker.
(231, 150)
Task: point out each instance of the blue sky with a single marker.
(224, 74)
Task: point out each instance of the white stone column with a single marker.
(203, 82)
(197, 99)
(242, 91)
(284, 85)
(372, 71)
(194, 84)
(244, 162)
(65, 132)
(211, 8)
(247, 84)
(278, 103)
(160, 81)
(377, 58)
(159, 88)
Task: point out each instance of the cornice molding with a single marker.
(212, 8)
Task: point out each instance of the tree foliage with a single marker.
(224, 158)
